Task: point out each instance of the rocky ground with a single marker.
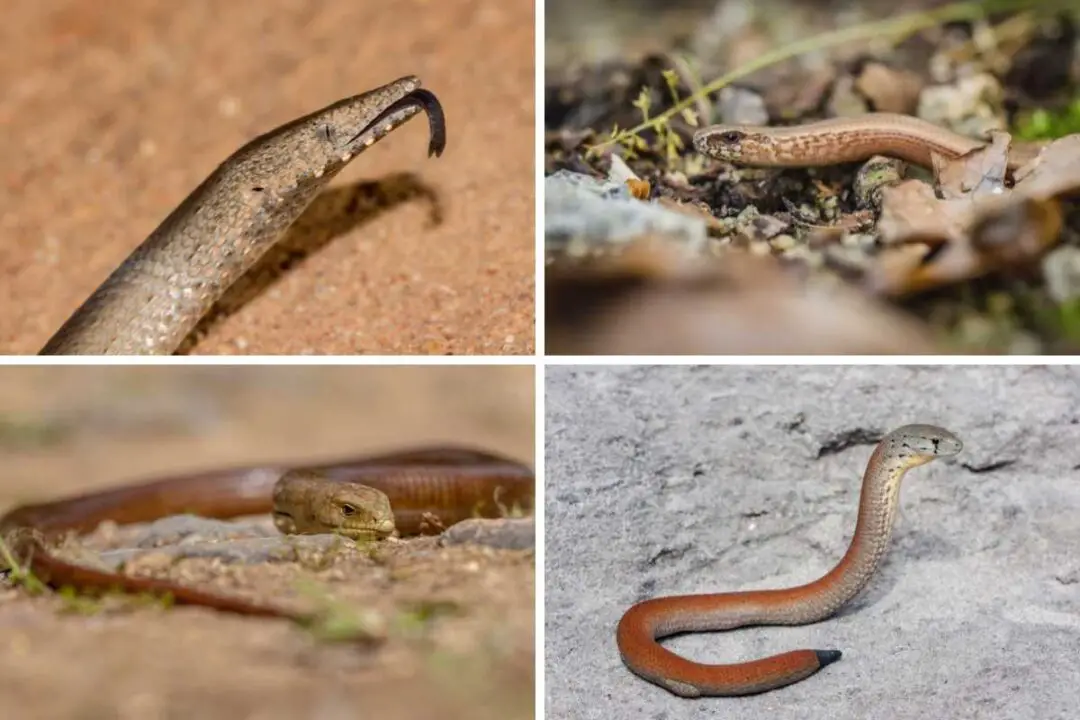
(670, 480)
(453, 624)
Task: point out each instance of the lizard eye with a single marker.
(325, 132)
(347, 509)
(731, 136)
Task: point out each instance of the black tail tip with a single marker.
(827, 657)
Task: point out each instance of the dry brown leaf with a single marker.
(1055, 172)
(1017, 232)
(1012, 235)
(800, 93)
(974, 224)
(980, 173)
(911, 209)
(889, 89)
(640, 189)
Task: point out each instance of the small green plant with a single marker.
(1061, 321)
(336, 621)
(1042, 124)
(23, 433)
(668, 141)
(18, 575)
(1069, 320)
(894, 29)
(72, 599)
(77, 604)
(414, 620)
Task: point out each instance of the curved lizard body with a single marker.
(646, 622)
(413, 492)
(155, 298)
(842, 140)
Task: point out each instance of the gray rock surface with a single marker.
(499, 533)
(240, 541)
(578, 207)
(256, 540)
(672, 480)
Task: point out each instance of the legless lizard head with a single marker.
(308, 503)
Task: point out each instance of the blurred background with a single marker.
(598, 30)
(66, 429)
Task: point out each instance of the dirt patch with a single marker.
(455, 624)
(114, 114)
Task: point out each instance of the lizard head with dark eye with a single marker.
(719, 142)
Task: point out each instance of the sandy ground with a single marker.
(114, 112)
(683, 479)
(463, 642)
